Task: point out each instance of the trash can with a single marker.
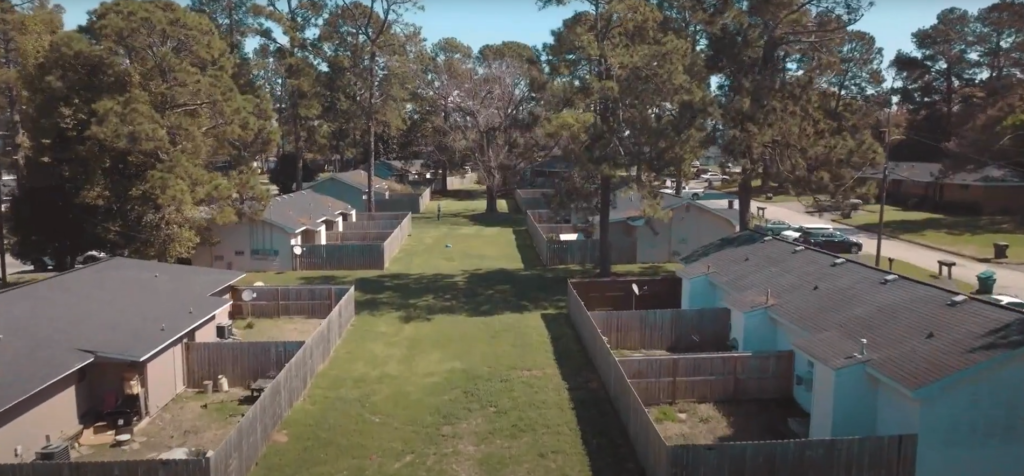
(986, 281)
(1000, 249)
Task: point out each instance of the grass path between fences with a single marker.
(461, 361)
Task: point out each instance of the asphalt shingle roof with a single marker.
(358, 178)
(118, 307)
(928, 172)
(915, 337)
(297, 210)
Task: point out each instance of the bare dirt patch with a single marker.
(191, 420)
(707, 423)
(272, 329)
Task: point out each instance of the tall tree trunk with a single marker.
(745, 192)
(492, 199)
(371, 113)
(605, 261)
(444, 176)
(679, 180)
(3, 250)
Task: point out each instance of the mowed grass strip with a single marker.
(965, 235)
(461, 361)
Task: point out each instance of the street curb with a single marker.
(927, 245)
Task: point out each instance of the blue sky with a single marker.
(479, 22)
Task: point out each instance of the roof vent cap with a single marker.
(798, 249)
(838, 262)
(957, 300)
(890, 278)
(766, 239)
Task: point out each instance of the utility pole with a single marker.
(3, 250)
(885, 186)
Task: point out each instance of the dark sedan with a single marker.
(831, 241)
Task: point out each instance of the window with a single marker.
(239, 252)
(263, 254)
(218, 258)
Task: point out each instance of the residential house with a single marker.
(876, 353)
(989, 190)
(104, 336)
(684, 225)
(351, 187)
(402, 172)
(265, 244)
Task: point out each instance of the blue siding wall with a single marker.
(898, 413)
(759, 331)
(854, 411)
(800, 393)
(975, 427)
(702, 293)
(339, 190)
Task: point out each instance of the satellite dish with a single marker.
(636, 291)
(636, 221)
(247, 295)
(297, 250)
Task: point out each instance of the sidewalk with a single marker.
(1008, 281)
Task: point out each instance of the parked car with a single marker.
(713, 177)
(831, 241)
(1011, 301)
(687, 191)
(776, 227)
(790, 235)
(45, 263)
(813, 227)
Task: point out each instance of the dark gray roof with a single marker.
(298, 210)
(358, 179)
(721, 208)
(119, 307)
(928, 172)
(915, 337)
(628, 203)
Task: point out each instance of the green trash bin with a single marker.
(986, 281)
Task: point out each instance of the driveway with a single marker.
(13, 265)
(1008, 280)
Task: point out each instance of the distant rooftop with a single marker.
(299, 210)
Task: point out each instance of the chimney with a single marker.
(731, 204)
(863, 347)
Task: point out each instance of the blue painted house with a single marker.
(876, 353)
(350, 187)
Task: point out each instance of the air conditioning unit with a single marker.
(54, 452)
(808, 379)
(224, 330)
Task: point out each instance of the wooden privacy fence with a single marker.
(285, 301)
(455, 182)
(881, 456)
(140, 467)
(415, 202)
(243, 447)
(575, 252)
(529, 200)
(894, 455)
(361, 225)
(239, 362)
(710, 377)
(616, 294)
(672, 330)
(356, 250)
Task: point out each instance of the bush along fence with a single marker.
(296, 364)
(555, 252)
(370, 242)
(412, 202)
(635, 382)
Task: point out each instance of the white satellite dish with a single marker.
(636, 221)
(247, 295)
(636, 291)
(297, 250)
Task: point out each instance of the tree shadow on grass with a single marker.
(952, 225)
(607, 444)
(459, 195)
(496, 220)
(1009, 336)
(527, 251)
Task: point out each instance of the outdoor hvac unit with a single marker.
(54, 452)
(224, 330)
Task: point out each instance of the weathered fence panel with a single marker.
(340, 256)
(285, 301)
(616, 294)
(543, 227)
(403, 202)
(711, 377)
(529, 200)
(142, 467)
(671, 330)
(243, 447)
(360, 225)
(455, 182)
(239, 362)
(367, 243)
(647, 442)
(876, 455)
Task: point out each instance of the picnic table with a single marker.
(257, 387)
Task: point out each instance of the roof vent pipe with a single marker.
(768, 296)
(863, 347)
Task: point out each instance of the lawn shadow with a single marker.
(603, 435)
(1009, 336)
(495, 220)
(527, 251)
(459, 195)
(512, 206)
(952, 225)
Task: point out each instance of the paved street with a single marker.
(1009, 281)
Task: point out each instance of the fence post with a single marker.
(278, 302)
(675, 378)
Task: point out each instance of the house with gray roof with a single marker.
(351, 187)
(983, 188)
(105, 336)
(876, 353)
(265, 243)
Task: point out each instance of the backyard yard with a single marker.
(461, 361)
(691, 423)
(965, 235)
(275, 329)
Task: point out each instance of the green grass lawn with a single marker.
(916, 272)
(461, 361)
(965, 235)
